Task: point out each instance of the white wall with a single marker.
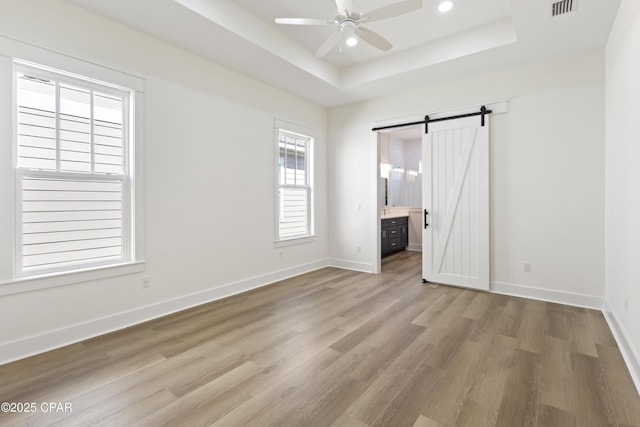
(547, 173)
(622, 248)
(209, 175)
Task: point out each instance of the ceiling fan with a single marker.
(349, 24)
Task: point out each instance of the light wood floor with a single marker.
(340, 348)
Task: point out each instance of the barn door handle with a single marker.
(425, 219)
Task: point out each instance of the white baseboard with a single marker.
(629, 352)
(35, 344)
(550, 295)
(414, 247)
(363, 267)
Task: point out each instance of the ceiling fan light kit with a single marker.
(351, 41)
(445, 6)
(349, 24)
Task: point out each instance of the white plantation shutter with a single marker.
(67, 128)
(71, 221)
(294, 185)
(294, 212)
(72, 176)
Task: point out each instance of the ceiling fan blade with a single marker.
(329, 44)
(344, 7)
(303, 21)
(374, 39)
(392, 10)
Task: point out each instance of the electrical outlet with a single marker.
(358, 248)
(526, 267)
(626, 304)
(146, 282)
(281, 254)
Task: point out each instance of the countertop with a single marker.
(393, 216)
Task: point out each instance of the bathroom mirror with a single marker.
(401, 168)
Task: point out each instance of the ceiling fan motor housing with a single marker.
(349, 23)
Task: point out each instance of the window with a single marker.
(295, 179)
(73, 172)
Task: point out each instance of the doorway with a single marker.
(454, 172)
(400, 197)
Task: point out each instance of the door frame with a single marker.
(497, 107)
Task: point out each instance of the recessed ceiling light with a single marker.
(351, 41)
(445, 6)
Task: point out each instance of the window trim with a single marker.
(20, 67)
(90, 75)
(49, 280)
(310, 134)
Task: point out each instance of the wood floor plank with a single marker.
(599, 328)
(552, 417)
(436, 309)
(581, 337)
(477, 308)
(423, 421)
(200, 374)
(454, 309)
(36, 383)
(203, 405)
(484, 329)
(624, 395)
(64, 385)
(128, 415)
(372, 324)
(347, 421)
(98, 401)
(446, 402)
(14, 422)
(370, 406)
(406, 405)
(488, 387)
(556, 322)
(531, 332)
(474, 414)
(291, 371)
(593, 404)
(386, 353)
(274, 389)
(448, 338)
(319, 401)
(344, 349)
(556, 382)
(322, 336)
(511, 318)
(520, 400)
(504, 318)
(45, 362)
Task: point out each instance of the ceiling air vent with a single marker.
(562, 7)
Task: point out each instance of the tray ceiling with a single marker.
(475, 36)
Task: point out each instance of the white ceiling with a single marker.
(404, 32)
(476, 36)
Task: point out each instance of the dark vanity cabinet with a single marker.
(395, 234)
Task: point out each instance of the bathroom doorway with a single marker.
(400, 197)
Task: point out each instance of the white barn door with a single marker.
(455, 243)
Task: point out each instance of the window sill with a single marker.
(295, 241)
(34, 283)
